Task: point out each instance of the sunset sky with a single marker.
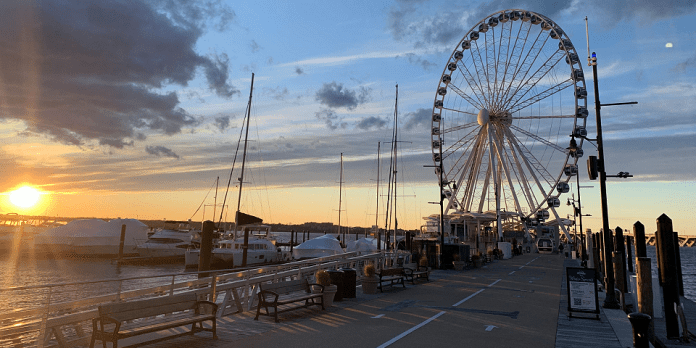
(132, 109)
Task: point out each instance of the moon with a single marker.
(25, 197)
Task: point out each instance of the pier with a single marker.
(519, 301)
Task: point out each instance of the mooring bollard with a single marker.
(640, 323)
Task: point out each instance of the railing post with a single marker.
(213, 286)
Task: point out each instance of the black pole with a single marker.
(668, 273)
(629, 256)
(442, 210)
(677, 256)
(610, 301)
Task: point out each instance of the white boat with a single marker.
(229, 251)
(326, 245)
(362, 245)
(92, 237)
(166, 243)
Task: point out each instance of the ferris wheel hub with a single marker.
(483, 117)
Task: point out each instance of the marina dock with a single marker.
(519, 302)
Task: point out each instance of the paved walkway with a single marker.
(518, 302)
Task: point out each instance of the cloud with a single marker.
(277, 93)
(254, 46)
(92, 72)
(222, 123)
(330, 118)
(160, 151)
(416, 60)
(333, 95)
(686, 65)
(419, 119)
(299, 70)
(368, 123)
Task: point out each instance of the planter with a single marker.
(459, 265)
(329, 293)
(478, 263)
(369, 285)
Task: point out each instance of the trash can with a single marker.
(336, 277)
(349, 282)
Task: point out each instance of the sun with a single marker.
(25, 197)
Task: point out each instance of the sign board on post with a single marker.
(582, 290)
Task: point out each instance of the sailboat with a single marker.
(256, 247)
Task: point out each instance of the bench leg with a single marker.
(258, 311)
(215, 329)
(403, 283)
(276, 313)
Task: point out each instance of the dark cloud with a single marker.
(334, 95)
(406, 20)
(419, 120)
(254, 46)
(330, 118)
(299, 70)
(222, 123)
(686, 65)
(416, 60)
(368, 123)
(89, 71)
(161, 151)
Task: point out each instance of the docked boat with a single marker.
(228, 252)
(362, 245)
(166, 244)
(91, 238)
(326, 245)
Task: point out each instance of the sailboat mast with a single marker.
(340, 196)
(396, 144)
(246, 137)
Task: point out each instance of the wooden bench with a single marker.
(118, 320)
(419, 272)
(391, 275)
(287, 292)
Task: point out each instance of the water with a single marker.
(688, 265)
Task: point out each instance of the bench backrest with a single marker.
(391, 272)
(286, 287)
(149, 307)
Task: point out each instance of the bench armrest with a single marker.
(206, 304)
(98, 324)
(319, 285)
(408, 272)
(264, 293)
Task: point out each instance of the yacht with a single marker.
(326, 245)
(228, 252)
(166, 243)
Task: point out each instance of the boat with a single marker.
(91, 238)
(326, 245)
(166, 244)
(362, 245)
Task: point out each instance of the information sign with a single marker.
(582, 290)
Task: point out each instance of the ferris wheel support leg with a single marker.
(561, 225)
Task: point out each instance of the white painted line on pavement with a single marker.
(467, 298)
(495, 282)
(511, 273)
(378, 316)
(391, 341)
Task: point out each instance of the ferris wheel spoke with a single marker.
(478, 72)
(466, 97)
(519, 172)
(540, 139)
(526, 86)
(541, 117)
(524, 68)
(471, 171)
(460, 127)
(514, 61)
(469, 77)
(542, 95)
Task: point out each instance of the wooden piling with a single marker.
(621, 247)
(680, 280)
(639, 233)
(668, 273)
(292, 239)
(122, 242)
(245, 247)
(206, 252)
(644, 285)
(629, 257)
(619, 275)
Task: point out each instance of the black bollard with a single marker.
(205, 254)
(668, 273)
(640, 323)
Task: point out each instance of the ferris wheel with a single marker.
(509, 117)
